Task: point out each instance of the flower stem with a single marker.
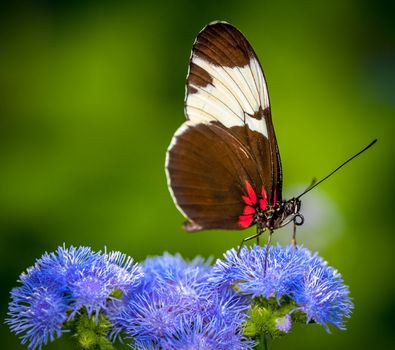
(262, 344)
(265, 343)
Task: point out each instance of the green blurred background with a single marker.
(91, 93)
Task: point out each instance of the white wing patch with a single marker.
(260, 82)
(234, 95)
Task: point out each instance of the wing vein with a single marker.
(231, 78)
(253, 93)
(218, 99)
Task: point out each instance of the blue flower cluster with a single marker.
(167, 302)
(63, 283)
(316, 289)
(177, 308)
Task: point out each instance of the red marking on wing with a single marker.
(263, 201)
(245, 220)
(248, 210)
(274, 197)
(247, 200)
(251, 192)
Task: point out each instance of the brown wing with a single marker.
(207, 169)
(229, 138)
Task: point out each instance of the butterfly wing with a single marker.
(228, 140)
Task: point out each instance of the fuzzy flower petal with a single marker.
(91, 285)
(285, 268)
(167, 267)
(284, 323)
(196, 334)
(323, 296)
(64, 259)
(126, 274)
(170, 289)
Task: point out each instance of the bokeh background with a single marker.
(91, 93)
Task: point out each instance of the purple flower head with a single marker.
(295, 273)
(167, 267)
(170, 289)
(61, 284)
(284, 324)
(198, 334)
(151, 317)
(284, 270)
(89, 288)
(225, 306)
(65, 259)
(176, 294)
(89, 278)
(37, 312)
(322, 296)
(91, 283)
(39, 306)
(126, 275)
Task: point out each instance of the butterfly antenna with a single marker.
(313, 181)
(314, 184)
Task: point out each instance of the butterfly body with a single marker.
(223, 164)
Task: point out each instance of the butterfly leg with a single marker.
(269, 239)
(259, 232)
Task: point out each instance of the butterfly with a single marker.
(223, 164)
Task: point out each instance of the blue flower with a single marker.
(167, 267)
(89, 278)
(92, 282)
(198, 334)
(284, 324)
(284, 270)
(126, 275)
(65, 258)
(176, 295)
(37, 312)
(322, 296)
(225, 307)
(170, 289)
(316, 289)
(62, 284)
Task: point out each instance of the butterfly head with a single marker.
(289, 211)
(292, 206)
